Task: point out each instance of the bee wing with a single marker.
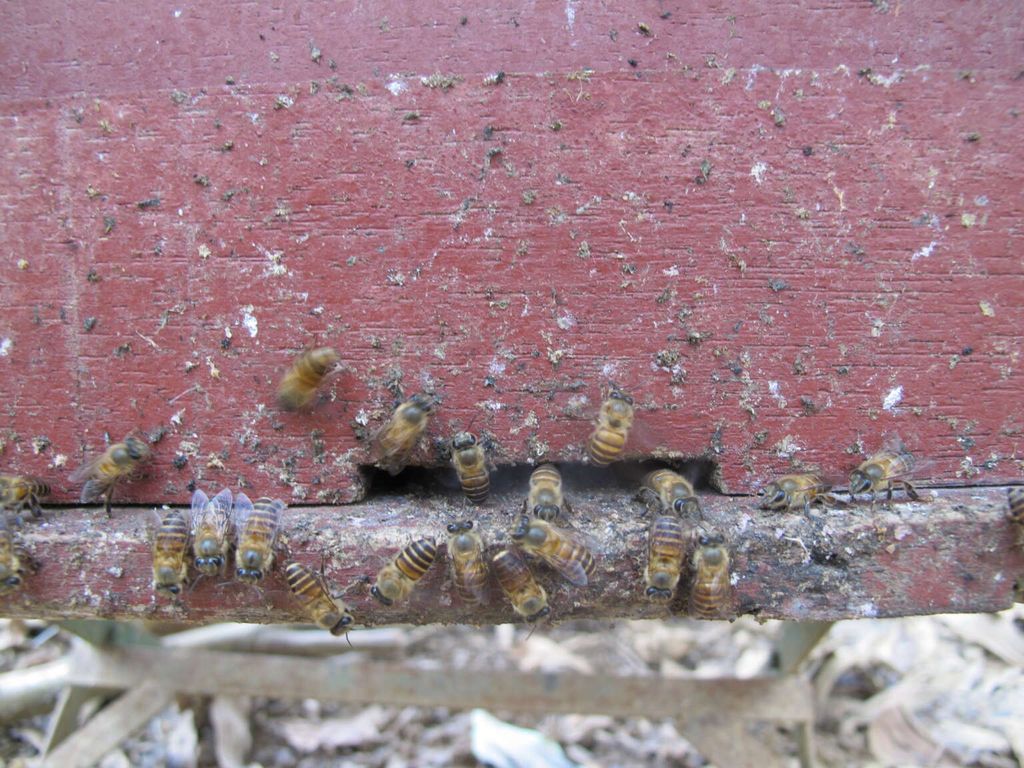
(199, 502)
(241, 510)
(223, 500)
(85, 471)
(571, 570)
(93, 489)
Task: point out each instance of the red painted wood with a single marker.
(359, 208)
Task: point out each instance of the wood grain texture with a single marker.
(787, 233)
(954, 552)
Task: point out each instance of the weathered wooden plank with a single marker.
(357, 680)
(846, 265)
(955, 552)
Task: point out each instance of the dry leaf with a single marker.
(182, 741)
(501, 745)
(542, 655)
(365, 728)
(232, 737)
(996, 634)
(895, 738)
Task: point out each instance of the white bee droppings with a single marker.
(893, 398)
(5, 347)
(758, 170)
(868, 610)
(249, 321)
(396, 85)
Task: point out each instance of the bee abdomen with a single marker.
(704, 604)
(1015, 498)
(415, 559)
(173, 533)
(301, 581)
(605, 446)
(476, 486)
(667, 537)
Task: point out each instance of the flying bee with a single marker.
(170, 550)
(299, 384)
(256, 526)
(665, 490)
(711, 590)
(666, 548)
(103, 473)
(310, 589)
(470, 464)
(211, 521)
(18, 492)
(1015, 497)
(396, 440)
(557, 547)
(613, 423)
(396, 579)
(890, 466)
(469, 569)
(528, 598)
(545, 499)
(796, 491)
(15, 561)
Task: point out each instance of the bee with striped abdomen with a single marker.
(666, 491)
(211, 523)
(397, 439)
(794, 492)
(102, 474)
(18, 492)
(300, 383)
(1015, 511)
(711, 589)
(558, 547)
(469, 568)
(528, 598)
(881, 471)
(310, 590)
(396, 579)
(257, 526)
(15, 561)
(546, 499)
(470, 464)
(666, 550)
(170, 553)
(614, 421)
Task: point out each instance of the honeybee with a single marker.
(397, 439)
(666, 548)
(211, 519)
(299, 384)
(528, 598)
(612, 430)
(711, 590)
(889, 467)
(170, 549)
(470, 464)
(545, 499)
(310, 589)
(15, 561)
(256, 526)
(469, 569)
(396, 579)
(795, 491)
(557, 547)
(102, 473)
(665, 490)
(18, 492)
(1015, 497)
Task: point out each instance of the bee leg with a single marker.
(567, 506)
(911, 491)
(650, 499)
(106, 500)
(807, 507)
(888, 495)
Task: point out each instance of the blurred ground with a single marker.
(938, 690)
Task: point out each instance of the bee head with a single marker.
(342, 624)
(546, 511)
(135, 448)
(860, 481)
(617, 394)
(773, 496)
(463, 440)
(422, 401)
(375, 591)
(248, 575)
(659, 593)
(523, 529)
(13, 581)
(687, 506)
(539, 614)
